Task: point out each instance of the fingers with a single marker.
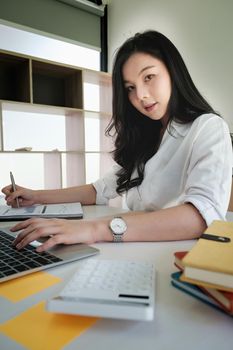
(23, 237)
(14, 203)
(56, 230)
(50, 243)
(7, 189)
(25, 196)
(33, 229)
(21, 225)
(10, 196)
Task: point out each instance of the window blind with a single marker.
(55, 17)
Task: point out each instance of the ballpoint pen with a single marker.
(14, 187)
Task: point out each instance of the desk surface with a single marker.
(181, 321)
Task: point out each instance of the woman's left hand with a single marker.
(58, 231)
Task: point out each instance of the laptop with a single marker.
(16, 263)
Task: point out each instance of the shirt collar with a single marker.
(178, 129)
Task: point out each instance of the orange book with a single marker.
(178, 259)
(223, 298)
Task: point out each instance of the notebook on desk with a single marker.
(62, 210)
(14, 263)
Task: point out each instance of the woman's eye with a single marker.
(149, 77)
(129, 88)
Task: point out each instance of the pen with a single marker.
(14, 188)
(215, 238)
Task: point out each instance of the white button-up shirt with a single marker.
(192, 165)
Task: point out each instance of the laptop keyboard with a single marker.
(13, 261)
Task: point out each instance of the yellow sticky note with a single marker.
(22, 287)
(38, 329)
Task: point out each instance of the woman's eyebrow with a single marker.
(145, 68)
(141, 71)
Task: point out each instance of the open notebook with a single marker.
(62, 210)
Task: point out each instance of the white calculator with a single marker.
(109, 288)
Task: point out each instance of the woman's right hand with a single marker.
(25, 196)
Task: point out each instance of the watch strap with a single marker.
(117, 238)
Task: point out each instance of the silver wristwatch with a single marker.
(118, 227)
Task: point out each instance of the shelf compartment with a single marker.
(56, 85)
(51, 110)
(74, 131)
(14, 78)
(52, 170)
(95, 138)
(73, 169)
(29, 169)
(42, 129)
(40, 132)
(97, 165)
(97, 91)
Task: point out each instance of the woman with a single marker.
(173, 155)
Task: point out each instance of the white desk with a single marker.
(181, 321)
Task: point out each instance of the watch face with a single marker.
(118, 226)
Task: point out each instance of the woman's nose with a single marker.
(142, 93)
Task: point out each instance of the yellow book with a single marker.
(210, 261)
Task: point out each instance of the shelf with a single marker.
(44, 152)
(99, 85)
(55, 152)
(56, 85)
(14, 78)
(61, 112)
(73, 169)
(7, 105)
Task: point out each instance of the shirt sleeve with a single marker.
(209, 174)
(106, 186)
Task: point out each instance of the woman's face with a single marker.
(148, 85)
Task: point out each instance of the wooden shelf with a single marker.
(56, 85)
(38, 88)
(14, 78)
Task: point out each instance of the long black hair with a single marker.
(137, 137)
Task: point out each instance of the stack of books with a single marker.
(206, 271)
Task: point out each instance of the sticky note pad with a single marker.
(22, 287)
(38, 329)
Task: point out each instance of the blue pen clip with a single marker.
(215, 238)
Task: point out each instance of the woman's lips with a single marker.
(150, 107)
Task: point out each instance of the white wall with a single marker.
(19, 39)
(202, 30)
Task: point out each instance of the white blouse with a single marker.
(193, 165)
